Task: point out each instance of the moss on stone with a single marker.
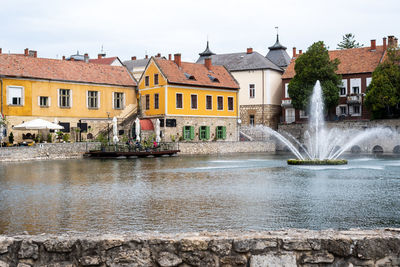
(317, 162)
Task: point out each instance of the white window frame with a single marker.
(9, 100)
(176, 102)
(48, 101)
(368, 81)
(252, 91)
(356, 114)
(197, 102)
(344, 85)
(98, 99)
(123, 100)
(286, 90)
(70, 97)
(356, 82)
(222, 102)
(211, 102)
(233, 103)
(303, 114)
(292, 118)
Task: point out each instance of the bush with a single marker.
(11, 138)
(65, 137)
(49, 138)
(317, 162)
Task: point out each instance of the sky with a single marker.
(135, 28)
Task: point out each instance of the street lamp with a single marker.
(108, 127)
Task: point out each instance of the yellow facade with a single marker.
(167, 97)
(33, 89)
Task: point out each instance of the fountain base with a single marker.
(317, 162)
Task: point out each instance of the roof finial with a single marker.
(277, 33)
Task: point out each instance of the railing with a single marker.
(354, 99)
(286, 103)
(137, 148)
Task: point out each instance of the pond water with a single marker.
(195, 193)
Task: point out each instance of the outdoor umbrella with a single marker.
(115, 131)
(38, 124)
(158, 138)
(137, 129)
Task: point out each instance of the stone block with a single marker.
(296, 244)
(90, 260)
(274, 260)
(138, 257)
(254, 245)
(193, 245)
(59, 245)
(221, 247)
(5, 242)
(317, 257)
(341, 247)
(238, 260)
(200, 258)
(28, 250)
(167, 259)
(4, 264)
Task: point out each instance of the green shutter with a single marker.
(191, 132)
(224, 132)
(207, 132)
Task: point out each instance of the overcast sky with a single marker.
(133, 28)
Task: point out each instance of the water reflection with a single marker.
(250, 191)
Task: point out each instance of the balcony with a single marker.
(286, 103)
(354, 99)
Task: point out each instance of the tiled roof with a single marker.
(63, 70)
(131, 64)
(104, 60)
(176, 75)
(355, 60)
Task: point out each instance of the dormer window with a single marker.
(213, 79)
(189, 76)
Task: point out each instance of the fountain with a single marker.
(321, 146)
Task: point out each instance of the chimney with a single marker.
(396, 42)
(86, 57)
(146, 56)
(63, 58)
(158, 55)
(300, 52)
(249, 50)
(207, 63)
(177, 59)
(133, 58)
(384, 43)
(391, 40)
(169, 57)
(0, 50)
(99, 56)
(294, 52)
(35, 54)
(26, 52)
(72, 59)
(373, 45)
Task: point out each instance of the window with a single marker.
(356, 90)
(290, 115)
(118, 100)
(147, 107)
(230, 103)
(368, 80)
(213, 79)
(221, 132)
(252, 89)
(179, 100)
(342, 91)
(189, 76)
(170, 122)
(287, 90)
(303, 114)
(204, 132)
(220, 103)
(188, 132)
(209, 102)
(356, 109)
(343, 110)
(15, 95)
(343, 88)
(146, 81)
(64, 98)
(193, 101)
(156, 101)
(156, 78)
(66, 126)
(93, 99)
(251, 119)
(83, 126)
(44, 101)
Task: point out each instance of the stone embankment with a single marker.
(224, 147)
(276, 248)
(46, 151)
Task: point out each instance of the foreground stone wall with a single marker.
(221, 147)
(46, 151)
(277, 248)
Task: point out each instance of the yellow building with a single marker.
(193, 101)
(74, 93)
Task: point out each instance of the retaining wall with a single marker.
(221, 147)
(46, 151)
(255, 249)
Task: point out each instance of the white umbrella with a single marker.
(115, 131)
(2, 128)
(38, 124)
(137, 129)
(158, 138)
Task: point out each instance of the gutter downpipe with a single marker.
(263, 89)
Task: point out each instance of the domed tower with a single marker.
(206, 53)
(278, 55)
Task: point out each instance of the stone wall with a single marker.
(46, 151)
(221, 147)
(388, 143)
(263, 114)
(255, 249)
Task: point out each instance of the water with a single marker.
(196, 193)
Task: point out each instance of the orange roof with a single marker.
(62, 70)
(355, 60)
(104, 60)
(146, 125)
(176, 75)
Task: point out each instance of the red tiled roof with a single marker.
(146, 125)
(62, 70)
(176, 75)
(355, 60)
(104, 60)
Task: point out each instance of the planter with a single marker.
(317, 162)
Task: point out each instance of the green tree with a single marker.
(383, 94)
(311, 66)
(348, 42)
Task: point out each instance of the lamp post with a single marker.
(108, 127)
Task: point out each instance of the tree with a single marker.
(311, 66)
(348, 42)
(383, 94)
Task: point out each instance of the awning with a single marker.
(146, 125)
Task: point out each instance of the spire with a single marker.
(277, 45)
(206, 52)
